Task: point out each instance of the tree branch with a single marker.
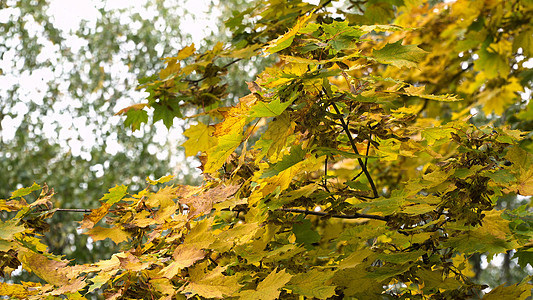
(354, 147)
(82, 210)
(324, 214)
(205, 76)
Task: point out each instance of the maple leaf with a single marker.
(116, 234)
(211, 284)
(138, 106)
(25, 191)
(53, 272)
(95, 216)
(186, 52)
(285, 40)
(516, 291)
(18, 291)
(115, 194)
(268, 288)
(216, 156)
(311, 284)
(167, 112)
(200, 139)
(399, 56)
(269, 109)
(203, 203)
(184, 256)
(135, 118)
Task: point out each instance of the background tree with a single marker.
(349, 162)
(64, 133)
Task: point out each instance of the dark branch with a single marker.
(324, 214)
(205, 77)
(82, 210)
(354, 147)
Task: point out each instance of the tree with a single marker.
(353, 169)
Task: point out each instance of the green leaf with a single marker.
(135, 118)
(304, 232)
(167, 112)
(491, 64)
(297, 155)
(515, 291)
(25, 191)
(401, 257)
(269, 109)
(385, 206)
(400, 56)
(9, 228)
(115, 194)
(216, 156)
(525, 41)
(525, 257)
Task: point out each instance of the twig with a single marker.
(354, 147)
(205, 77)
(324, 214)
(326, 174)
(82, 210)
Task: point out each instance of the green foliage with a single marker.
(351, 170)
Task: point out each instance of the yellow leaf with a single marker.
(53, 272)
(200, 236)
(18, 291)
(269, 288)
(200, 139)
(95, 216)
(516, 292)
(203, 202)
(285, 40)
(116, 234)
(184, 256)
(131, 263)
(498, 99)
(186, 52)
(216, 156)
(415, 90)
(172, 68)
(211, 284)
(163, 285)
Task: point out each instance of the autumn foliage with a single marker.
(366, 163)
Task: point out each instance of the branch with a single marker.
(354, 147)
(293, 210)
(324, 214)
(82, 210)
(205, 76)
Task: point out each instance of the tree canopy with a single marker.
(384, 147)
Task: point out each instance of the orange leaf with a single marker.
(96, 215)
(204, 202)
(137, 106)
